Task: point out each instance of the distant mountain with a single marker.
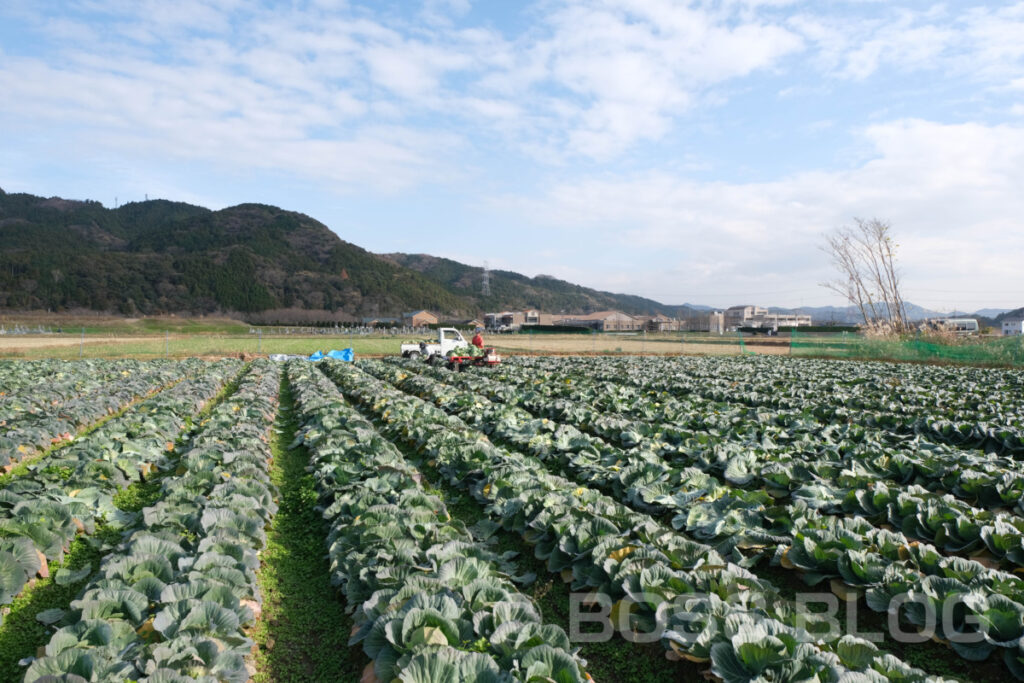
(1014, 314)
(513, 291)
(991, 312)
(851, 314)
(699, 307)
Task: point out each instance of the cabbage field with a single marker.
(551, 519)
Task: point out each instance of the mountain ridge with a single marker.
(264, 263)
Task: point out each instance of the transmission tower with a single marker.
(485, 284)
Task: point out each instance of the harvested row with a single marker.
(41, 512)
(823, 448)
(602, 546)
(45, 421)
(876, 563)
(173, 601)
(430, 602)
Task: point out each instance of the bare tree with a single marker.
(865, 256)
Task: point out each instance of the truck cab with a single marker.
(448, 338)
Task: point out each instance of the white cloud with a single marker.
(591, 80)
(630, 68)
(442, 12)
(984, 44)
(951, 192)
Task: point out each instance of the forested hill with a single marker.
(168, 257)
(515, 291)
(162, 257)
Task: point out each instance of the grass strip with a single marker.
(303, 632)
(21, 635)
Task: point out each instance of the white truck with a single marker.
(447, 350)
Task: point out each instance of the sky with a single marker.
(685, 151)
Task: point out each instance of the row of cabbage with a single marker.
(834, 478)
(172, 602)
(430, 603)
(18, 377)
(60, 382)
(900, 388)
(74, 398)
(723, 613)
(620, 390)
(793, 447)
(990, 418)
(70, 490)
(748, 523)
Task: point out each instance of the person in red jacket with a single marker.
(478, 340)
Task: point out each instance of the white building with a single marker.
(743, 316)
(777, 320)
(755, 316)
(1013, 326)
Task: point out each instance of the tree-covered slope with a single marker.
(161, 257)
(514, 291)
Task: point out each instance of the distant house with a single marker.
(493, 321)
(516, 319)
(379, 322)
(419, 318)
(709, 321)
(604, 321)
(1013, 326)
(659, 323)
(532, 317)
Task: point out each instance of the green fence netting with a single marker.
(1004, 351)
(743, 347)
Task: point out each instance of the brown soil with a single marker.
(22, 342)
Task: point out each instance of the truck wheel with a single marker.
(413, 355)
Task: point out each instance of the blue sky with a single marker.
(690, 152)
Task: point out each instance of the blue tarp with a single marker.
(345, 354)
